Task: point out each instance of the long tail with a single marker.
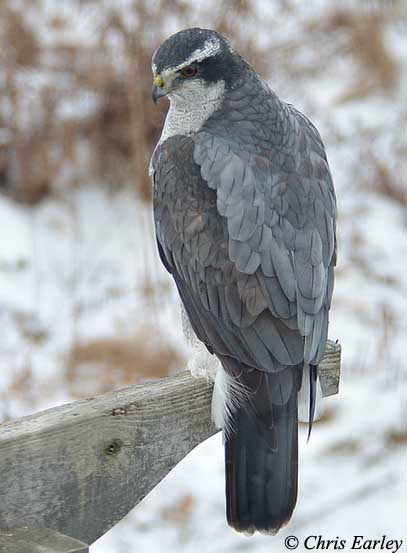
(261, 454)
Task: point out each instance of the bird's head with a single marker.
(190, 61)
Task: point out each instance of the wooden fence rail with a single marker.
(70, 473)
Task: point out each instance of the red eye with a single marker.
(189, 71)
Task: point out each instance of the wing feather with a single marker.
(249, 235)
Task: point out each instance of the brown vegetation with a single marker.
(122, 126)
(117, 125)
(181, 511)
(397, 438)
(18, 42)
(111, 362)
(386, 182)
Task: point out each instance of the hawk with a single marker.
(244, 213)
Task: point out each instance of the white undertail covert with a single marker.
(227, 393)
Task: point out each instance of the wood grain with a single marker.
(81, 467)
(38, 540)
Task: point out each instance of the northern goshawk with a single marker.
(244, 211)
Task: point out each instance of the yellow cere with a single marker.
(158, 81)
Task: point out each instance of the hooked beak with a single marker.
(158, 88)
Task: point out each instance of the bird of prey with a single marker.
(244, 213)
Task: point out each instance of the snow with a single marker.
(75, 266)
(343, 474)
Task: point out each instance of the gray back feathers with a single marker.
(245, 216)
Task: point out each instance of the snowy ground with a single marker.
(77, 266)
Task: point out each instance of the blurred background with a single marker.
(82, 291)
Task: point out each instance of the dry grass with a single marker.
(397, 438)
(18, 42)
(21, 383)
(382, 171)
(361, 35)
(378, 69)
(344, 447)
(181, 511)
(123, 127)
(386, 183)
(105, 363)
(327, 417)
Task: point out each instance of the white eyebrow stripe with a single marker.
(209, 49)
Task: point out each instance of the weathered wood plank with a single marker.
(329, 370)
(38, 540)
(81, 467)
